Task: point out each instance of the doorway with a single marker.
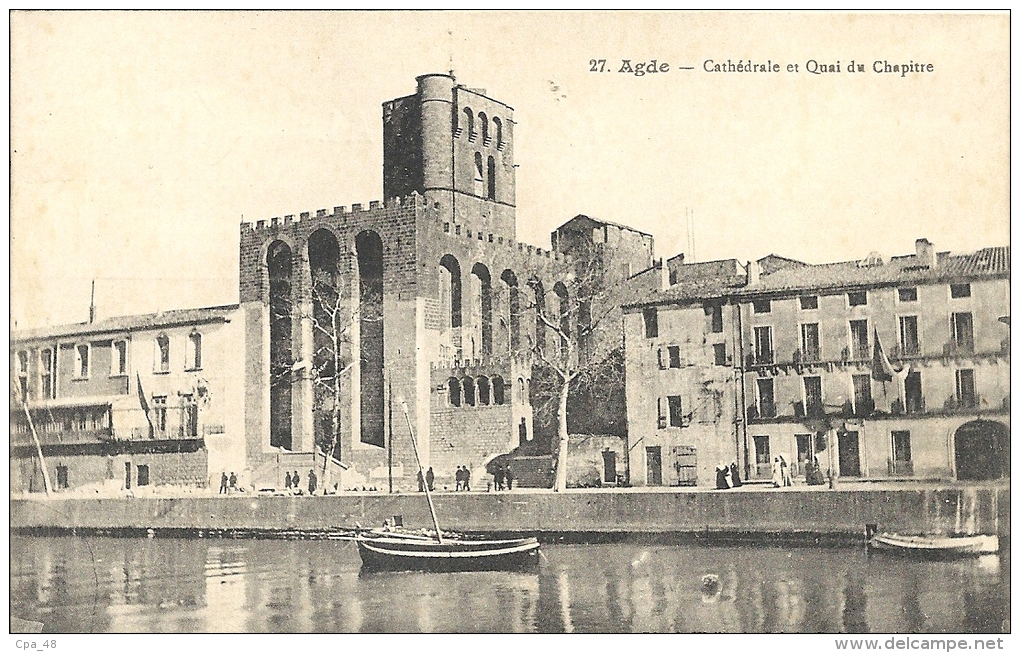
(609, 466)
(849, 454)
(982, 451)
(653, 465)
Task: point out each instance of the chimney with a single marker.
(925, 253)
(664, 272)
(753, 273)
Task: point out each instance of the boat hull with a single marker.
(394, 554)
(965, 545)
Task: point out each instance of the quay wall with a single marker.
(841, 512)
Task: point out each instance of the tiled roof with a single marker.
(987, 262)
(164, 319)
(692, 290)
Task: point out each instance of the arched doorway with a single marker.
(982, 451)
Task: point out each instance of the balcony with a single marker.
(967, 402)
(956, 348)
(909, 350)
(813, 355)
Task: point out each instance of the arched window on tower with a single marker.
(498, 124)
(452, 266)
(491, 187)
(469, 124)
(479, 173)
(483, 121)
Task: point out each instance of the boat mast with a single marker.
(428, 494)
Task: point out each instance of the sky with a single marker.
(141, 140)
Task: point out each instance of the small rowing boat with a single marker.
(950, 545)
(395, 550)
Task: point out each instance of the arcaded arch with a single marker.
(483, 303)
(498, 390)
(498, 127)
(327, 325)
(539, 294)
(453, 288)
(468, 386)
(279, 264)
(369, 249)
(484, 396)
(454, 390)
(562, 310)
(469, 122)
(483, 124)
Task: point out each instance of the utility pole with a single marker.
(389, 446)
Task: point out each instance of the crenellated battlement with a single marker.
(338, 212)
(463, 231)
(475, 366)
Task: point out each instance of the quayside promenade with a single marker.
(748, 512)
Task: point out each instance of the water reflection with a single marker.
(87, 584)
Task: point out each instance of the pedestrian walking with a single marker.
(223, 483)
(313, 481)
(722, 473)
(735, 475)
(288, 481)
(498, 478)
(421, 481)
(785, 472)
(233, 482)
(459, 477)
(509, 479)
(777, 473)
(430, 480)
(467, 479)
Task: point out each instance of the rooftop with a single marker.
(126, 323)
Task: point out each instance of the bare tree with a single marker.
(577, 345)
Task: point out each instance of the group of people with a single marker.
(781, 476)
(292, 482)
(428, 478)
(228, 484)
(503, 478)
(727, 476)
(463, 478)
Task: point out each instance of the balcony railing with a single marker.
(958, 348)
(901, 468)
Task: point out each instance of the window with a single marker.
(766, 398)
(118, 358)
(966, 397)
(763, 345)
(651, 318)
(859, 339)
(23, 374)
(479, 170)
(159, 413)
(863, 403)
(662, 359)
(674, 355)
(901, 446)
(959, 290)
(81, 361)
(963, 332)
(46, 373)
(62, 480)
(717, 324)
(906, 294)
(194, 351)
(719, 351)
(810, 346)
(857, 298)
(912, 390)
(143, 475)
(809, 302)
(661, 415)
(909, 344)
(162, 353)
(454, 391)
(676, 416)
(813, 395)
(762, 305)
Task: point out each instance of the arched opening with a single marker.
(469, 390)
(484, 304)
(513, 308)
(454, 390)
(370, 306)
(483, 122)
(491, 179)
(539, 292)
(483, 391)
(452, 266)
(469, 123)
(279, 261)
(520, 390)
(562, 311)
(327, 333)
(479, 173)
(982, 451)
(498, 391)
(498, 124)
(584, 334)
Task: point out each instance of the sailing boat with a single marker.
(395, 551)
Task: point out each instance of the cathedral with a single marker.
(416, 305)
